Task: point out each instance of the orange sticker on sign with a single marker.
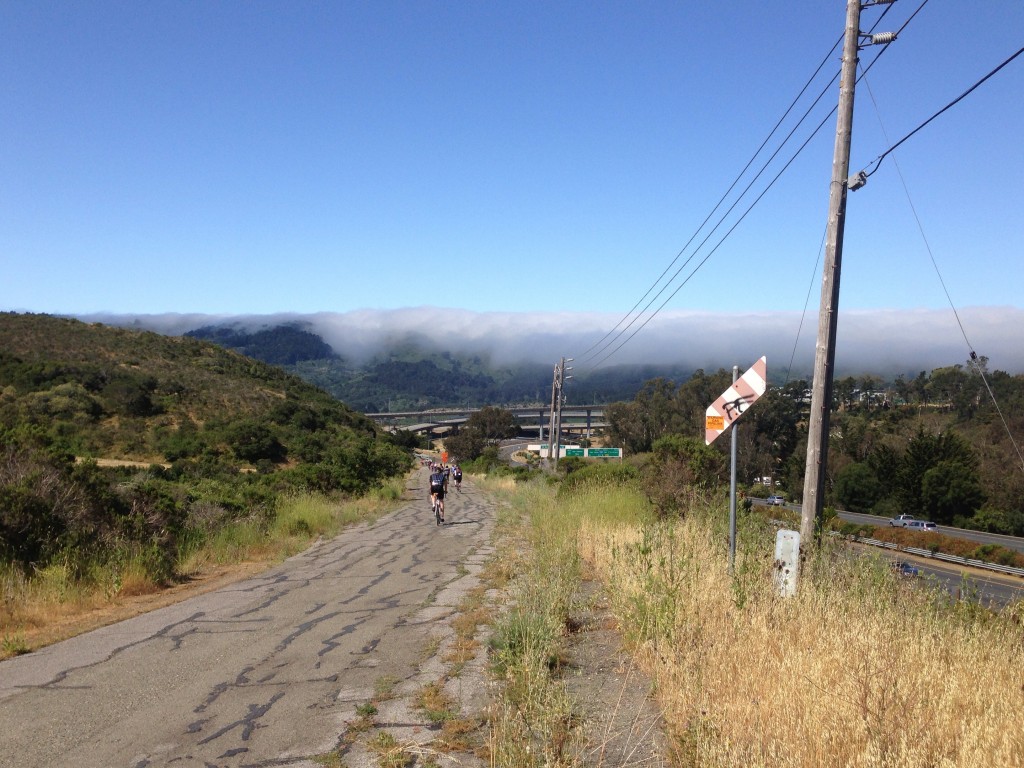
(714, 422)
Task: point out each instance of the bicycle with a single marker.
(437, 506)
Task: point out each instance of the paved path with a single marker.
(265, 672)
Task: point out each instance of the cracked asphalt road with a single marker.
(265, 672)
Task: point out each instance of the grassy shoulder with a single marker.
(858, 669)
(536, 722)
(62, 599)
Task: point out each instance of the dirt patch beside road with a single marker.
(623, 724)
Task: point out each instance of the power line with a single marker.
(878, 160)
(721, 221)
(732, 228)
(720, 242)
(600, 346)
(726, 194)
(807, 300)
(938, 272)
(821, 247)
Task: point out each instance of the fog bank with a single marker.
(884, 342)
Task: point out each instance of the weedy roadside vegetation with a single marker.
(860, 668)
(34, 606)
(535, 723)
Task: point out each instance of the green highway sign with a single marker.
(574, 452)
(596, 453)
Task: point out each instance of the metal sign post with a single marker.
(732, 486)
(732, 404)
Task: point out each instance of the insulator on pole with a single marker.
(857, 181)
(882, 38)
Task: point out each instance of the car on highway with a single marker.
(903, 568)
(901, 521)
(924, 526)
(776, 501)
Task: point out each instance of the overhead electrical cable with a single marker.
(736, 224)
(821, 246)
(878, 160)
(721, 220)
(720, 242)
(721, 200)
(920, 227)
(807, 301)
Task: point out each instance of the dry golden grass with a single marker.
(53, 604)
(856, 670)
(437, 705)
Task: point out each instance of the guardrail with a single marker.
(937, 555)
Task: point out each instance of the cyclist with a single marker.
(438, 485)
(457, 474)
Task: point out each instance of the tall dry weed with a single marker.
(858, 669)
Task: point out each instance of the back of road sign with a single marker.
(735, 400)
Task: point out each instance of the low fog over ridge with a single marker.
(884, 342)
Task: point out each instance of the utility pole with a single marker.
(557, 399)
(563, 376)
(551, 415)
(825, 348)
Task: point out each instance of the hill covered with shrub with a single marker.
(226, 436)
(408, 375)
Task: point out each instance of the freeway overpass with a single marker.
(576, 419)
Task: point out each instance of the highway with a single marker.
(1010, 542)
(990, 589)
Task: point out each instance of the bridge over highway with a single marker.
(576, 419)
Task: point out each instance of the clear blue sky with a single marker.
(260, 157)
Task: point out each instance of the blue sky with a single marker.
(523, 157)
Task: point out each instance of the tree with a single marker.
(660, 408)
(465, 445)
(950, 490)
(680, 468)
(482, 429)
(493, 423)
(956, 388)
(924, 453)
(252, 441)
(843, 392)
(626, 428)
(857, 488)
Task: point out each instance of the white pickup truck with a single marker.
(900, 521)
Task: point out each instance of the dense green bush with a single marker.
(51, 508)
(252, 440)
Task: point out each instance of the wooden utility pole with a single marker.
(555, 393)
(825, 349)
(557, 401)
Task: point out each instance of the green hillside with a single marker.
(99, 391)
(227, 436)
(408, 376)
